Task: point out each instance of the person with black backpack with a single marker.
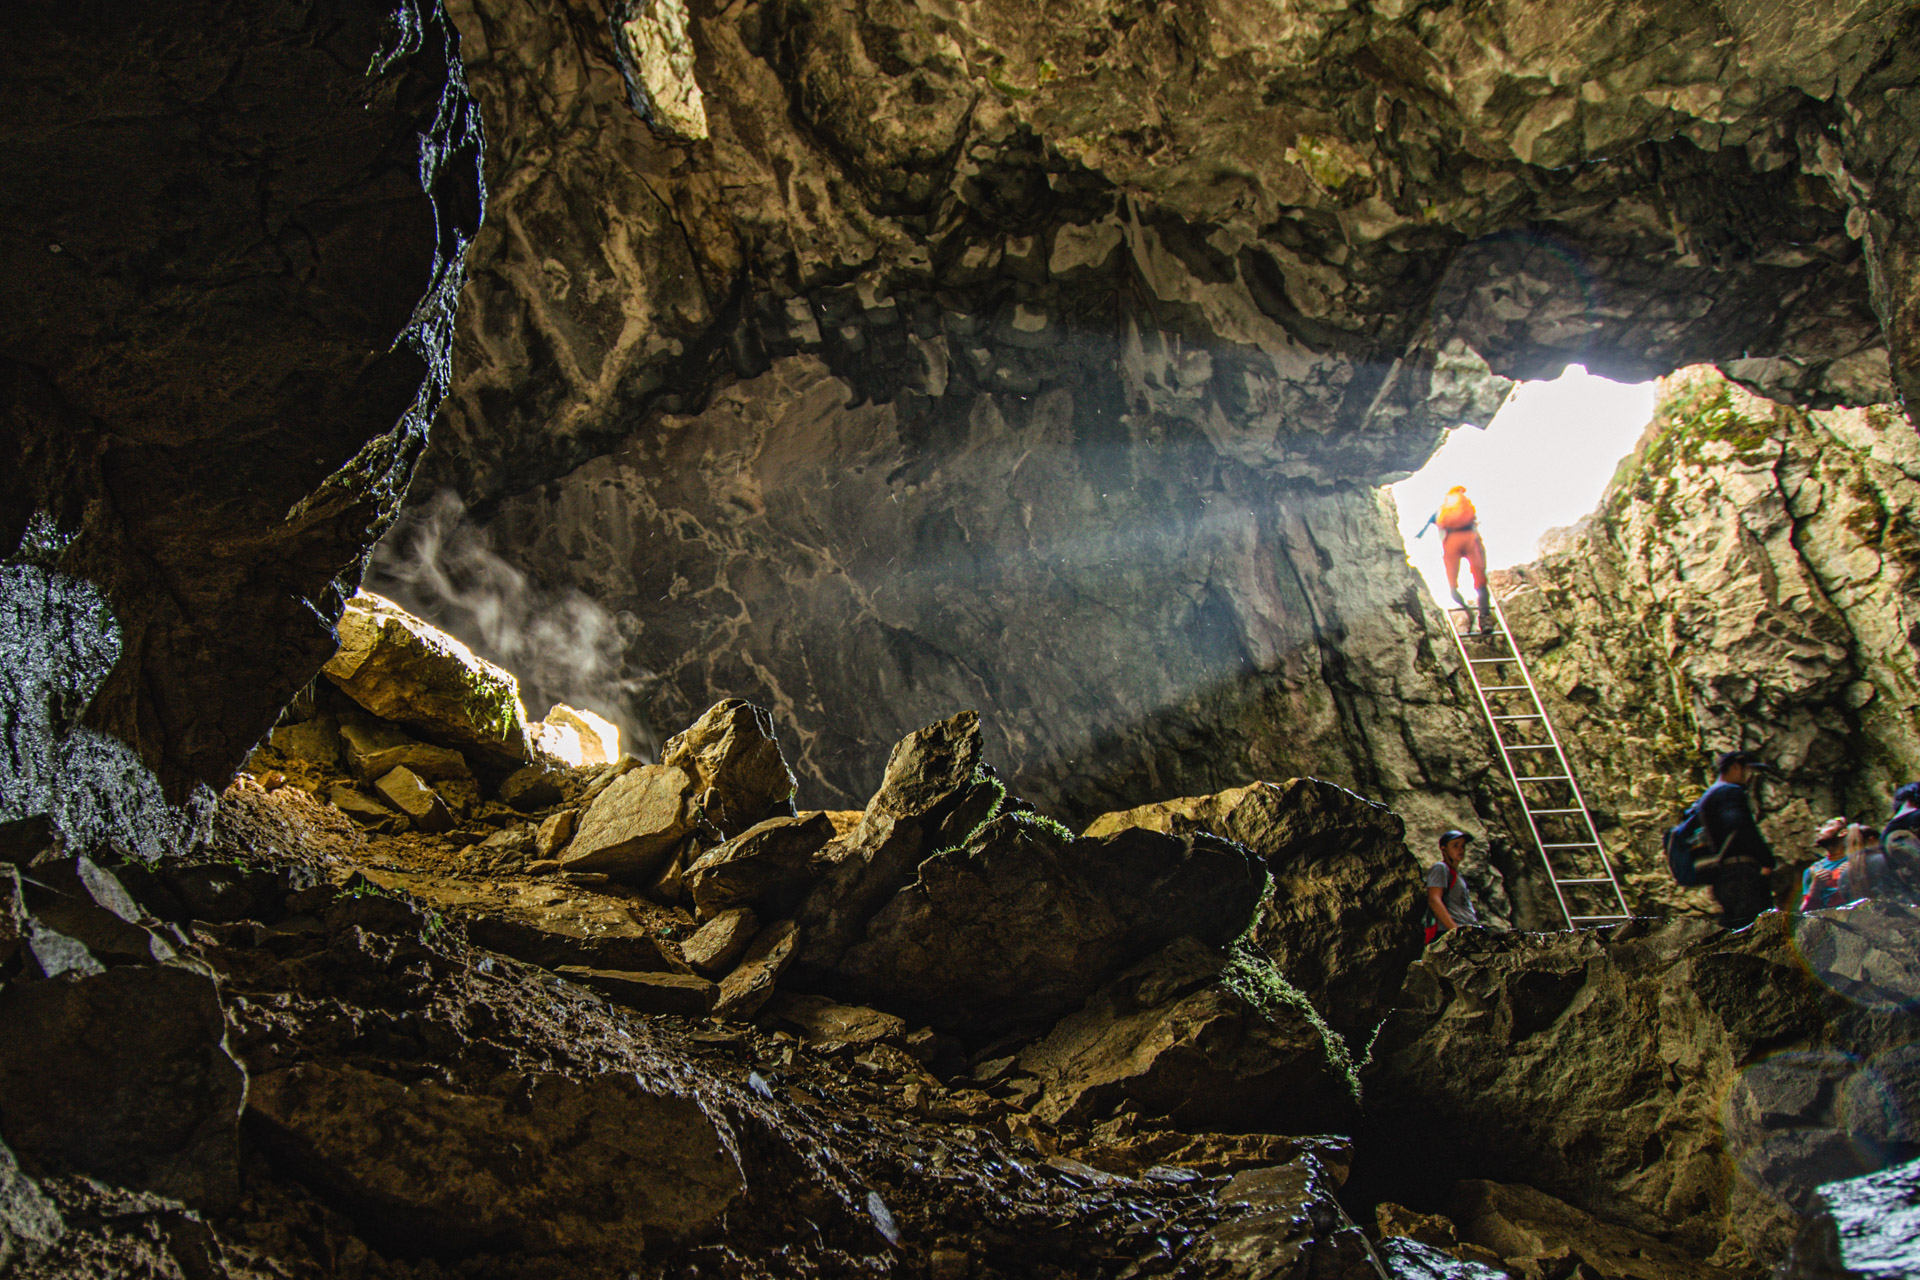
(1721, 843)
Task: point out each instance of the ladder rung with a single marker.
(1528, 746)
(1481, 662)
(1500, 688)
(1593, 919)
(1587, 880)
(1548, 777)
(1576, 844)
(1538, 812)
(1525, 717)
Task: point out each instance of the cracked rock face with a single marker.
(1021, 357)
(230, 264)
(1749, 580)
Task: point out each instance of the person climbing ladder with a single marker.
(1460, 537)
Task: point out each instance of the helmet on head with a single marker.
(1907, 794)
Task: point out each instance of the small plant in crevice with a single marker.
(1251, 974)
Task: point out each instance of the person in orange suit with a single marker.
(1460, 539)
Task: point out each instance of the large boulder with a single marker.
(1343, 921)
(1025, 921)
(401, 669)
(113, 1051)
(1677, 1080)
(731, 754)
(634, 826)
(1171, 1039)
(766, 866)
(124, 1075)
(616, 1165)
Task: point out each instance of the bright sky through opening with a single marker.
(1543, 462)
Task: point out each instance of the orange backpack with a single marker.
(1456, 512)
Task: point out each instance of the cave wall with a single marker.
(743, 372)
(230, 247)
(1751, 579)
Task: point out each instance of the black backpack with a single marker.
(1691, 856)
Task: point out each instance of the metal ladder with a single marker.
(1527, 766)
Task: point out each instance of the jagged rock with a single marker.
(90, 906)
(124, 1075)
(554, 832)
(606, 1163)
(1676, 1080)
(819, 1020)
(750, 985)
(1343, 922)
(766, 866)
(927, 768)
(411, 795)
(375, 748)
(1865, 1228)
(1023, 923)
(1133, 1154)
(402, 669)
(1748, 579)
(722, 940)
(1533, 1232)
(635, 824)
(681, 993)
(1169, 1040)
(739, 775)
(930, 796)
(1293, 1226)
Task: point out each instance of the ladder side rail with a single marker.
(1566, 766)
(1506, 756)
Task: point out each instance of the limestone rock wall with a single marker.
(1035, 358)
(1749, 580)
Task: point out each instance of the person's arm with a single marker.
(1432, 520)
(1437, 905)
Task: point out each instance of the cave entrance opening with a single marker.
(1542, 462)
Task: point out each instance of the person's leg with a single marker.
(1477, 562)
(1742, 895)
(1452, 547)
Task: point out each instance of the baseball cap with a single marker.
(1725, 758)
(1454, 833)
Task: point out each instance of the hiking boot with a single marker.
(1486, 611)
(1460, 599)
